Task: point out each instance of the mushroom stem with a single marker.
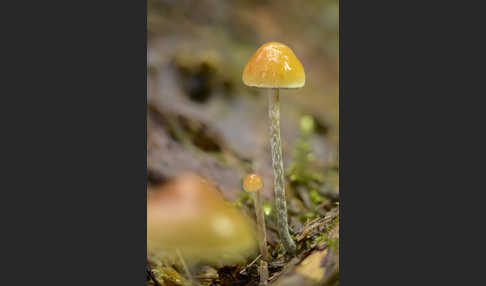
(278, 172)
(263, 273)
(262, 237)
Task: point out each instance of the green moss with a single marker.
(316, 197)
(333, 243)
(267, 208)
(307, 216)
(316, 240)
(169, 276)
(244, 198)
(301, 170)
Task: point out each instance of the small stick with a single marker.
(184, 266)
(249, 265)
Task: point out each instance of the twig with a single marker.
(249, 265)
(184, 266)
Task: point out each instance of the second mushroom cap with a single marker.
(189, 214)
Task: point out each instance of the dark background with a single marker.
(410, 143)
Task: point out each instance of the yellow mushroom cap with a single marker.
(274, 65)
(189, 214)
(252, 183)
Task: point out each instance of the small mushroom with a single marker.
(275, 66)
(189, 215)
(252, 184)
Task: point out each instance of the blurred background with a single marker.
(202, 118)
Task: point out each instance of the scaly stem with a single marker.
(263, 273)
(262, 237)
(278, 172)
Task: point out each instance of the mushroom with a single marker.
(189, 216)
(275, 66)
(252, 184)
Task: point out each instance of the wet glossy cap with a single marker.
(189, 214)
(252, 183)
(274, 65)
